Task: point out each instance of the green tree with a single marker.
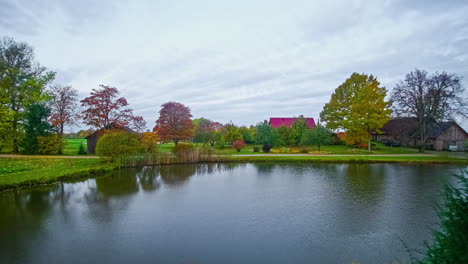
(265, 136)
(359, 107)
(298, 128)
(231, 133)
(35, 126)
(317, 136)
(285, 136)
(22, 82)
(247, 134)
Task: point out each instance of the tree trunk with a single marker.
(422, 134)
(319, 147)
(369, 145)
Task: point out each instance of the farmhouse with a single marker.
(92, 139)
(276, 122)
(441, 135)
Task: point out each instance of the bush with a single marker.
(149, 142)
(49, 144)
(238, 145)
(82, 150)
(450, 243)
(117, 145)
(266, 148)
(256, 149)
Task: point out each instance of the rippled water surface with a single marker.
(226, 213)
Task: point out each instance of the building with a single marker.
(441, 135)
(93, 138)
(276, 122)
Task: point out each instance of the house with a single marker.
(93, 138)
(276, 122)
(440, 136)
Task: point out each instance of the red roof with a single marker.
(288, 121)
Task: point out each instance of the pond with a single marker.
(227, 213)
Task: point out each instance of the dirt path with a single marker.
(47, 156)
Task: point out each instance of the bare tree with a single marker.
(429, 98)
(63, 106)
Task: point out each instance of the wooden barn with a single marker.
(92, 139)
(441, 135)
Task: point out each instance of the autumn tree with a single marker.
(359, 107)
(231, 133)
(105, 109)
(206, 131)
(63, 105)
(429, 98)
(22, 83)
(149, 142)
(174, 122)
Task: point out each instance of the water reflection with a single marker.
(327, 213)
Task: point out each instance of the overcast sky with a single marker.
(243, 61)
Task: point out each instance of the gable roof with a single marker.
(102, 131)
(276, 122)
(408, 126)
(438, 128)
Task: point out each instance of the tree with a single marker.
(265, 136)
(359, 107)
(429, 98)
(298, 128)
(149, 142)
(63, 105)
(231, 133)
(105, 110)
(318, 136)
(22, 82)
(174, 122)
(285, 136)
(247, 134)
(238, 145)
(35, 126)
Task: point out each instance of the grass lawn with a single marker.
(16, 172)
(72, 146)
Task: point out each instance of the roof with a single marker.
(276, 122)
(408, 126)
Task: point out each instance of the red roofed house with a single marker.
(276, 122)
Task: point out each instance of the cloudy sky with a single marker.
(238, 60)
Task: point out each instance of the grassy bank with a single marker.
(20, 172)
(353, 159)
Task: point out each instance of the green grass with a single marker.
(72, 146)
(17, 172)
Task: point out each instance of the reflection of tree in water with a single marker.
(148, 178)
(365, 181)
(177, 174)
(119, 182)
(264, 168)
(25, 209)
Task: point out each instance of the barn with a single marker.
(92, 139)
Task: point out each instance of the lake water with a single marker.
(227, 213)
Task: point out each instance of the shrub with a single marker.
(266, 148)
(238, 145)
(256, 149)
(117, 145)
(149, 142)
(49, 144)
(450, 243)
(82, 150)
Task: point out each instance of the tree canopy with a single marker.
(357, 106)
(429, 98)
(174, 122)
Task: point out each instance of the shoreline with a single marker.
(106, 167)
